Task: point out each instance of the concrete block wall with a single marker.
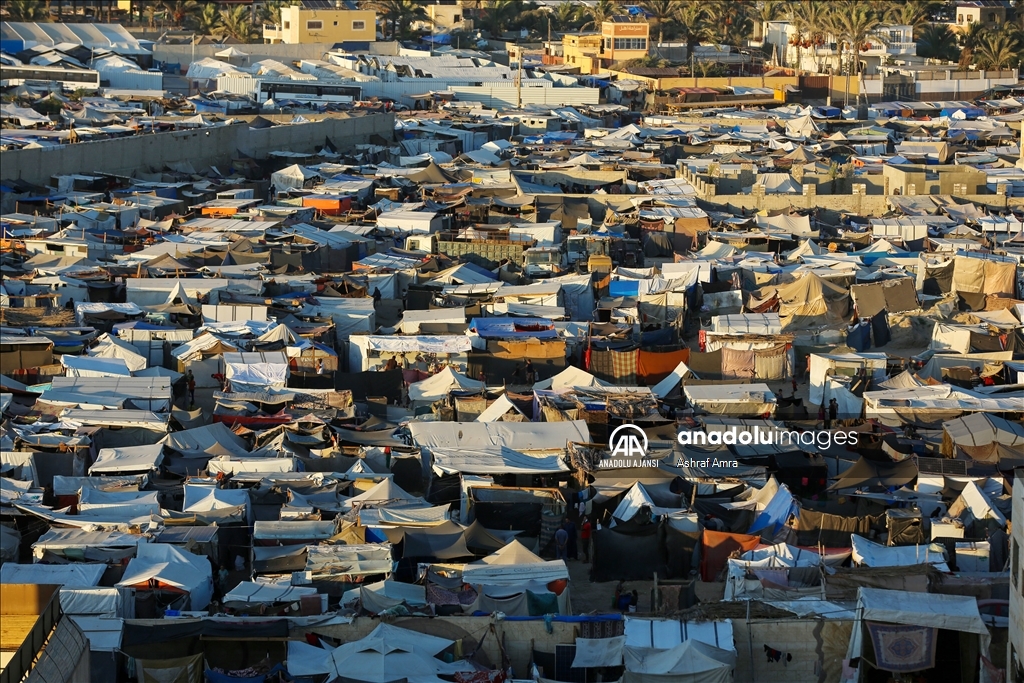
(202, 147)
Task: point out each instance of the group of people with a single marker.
(567, 546)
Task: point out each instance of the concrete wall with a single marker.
(201, 147)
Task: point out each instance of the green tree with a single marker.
(270, 12)
(729, 21)
(180, 12)
(693, 20)
(855, 23)
(971, 39)
(401, 14)
(501, 15)
(207, 21)
(236, 23)
(998, 50)
(937, 41)
(26, 10)
(598, 13)
(763, 12)
(914, 13)
(660, 12)
(566, 16)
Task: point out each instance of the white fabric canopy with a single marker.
(437, 386)
(128, 459)
(871, 554)
(250, 592)
(173, 567)
(494, 461)
(569, 378)
(519, 436)
(691, 661)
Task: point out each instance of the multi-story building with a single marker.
(822, 52)
(621, 40)
(322, 23)
(991, 13)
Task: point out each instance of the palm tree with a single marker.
(208, 20)
(693, 18)
(914, 13)
(180, 12)
(729, 21)
(660, 11)
(970, 40)
(937, 41)
(237, 23)
(856, 23)
(599, 13)
(270, 12)
(503, 13)
(998, 50)
(26, 10)
(811, 19)
(566, 15)
(762, 13)
(401, 13)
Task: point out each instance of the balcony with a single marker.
(272, 33)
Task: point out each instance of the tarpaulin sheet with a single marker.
(421, 344)
(866, 473)
(178, 670)
(1000, 278)
(652, 366)
(968, 275)
(737, 363)
(707, 365)
(938, 279)
(679, 547)
(618, 367)
(628, 552)
(771, 365)
(832, 531)
(900, 295)
(869, 299)
(880, 334)
(591, 652)
(716, 546)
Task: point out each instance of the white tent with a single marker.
(666, 386)
(170, 568)
(870, 554)
(113, 348)
(78, 574)
(202, 498)
(570, 378)
(437, 386)
(270, 593)
(502, 460)
(128, 459)
(88, 366)
(519, 436)
(129, 503)
(390, 653)
(933, 610)
(778, 183)
(501, 407)
(256, 370)
(294, 177)
(689, 662)
(974, 505)
(806, 248)
(513, 553)
(636, 498)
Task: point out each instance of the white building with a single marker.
(780, 39)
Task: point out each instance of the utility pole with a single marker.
(519, 78)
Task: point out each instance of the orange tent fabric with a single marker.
(716, 546)
(654, 366)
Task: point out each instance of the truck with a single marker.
(623, 251)
(488, 250)
(543, 262)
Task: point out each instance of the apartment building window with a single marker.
(314, 25)
(970, 18)
(630, 43)
(456, 18)
(358, 25)
(992, 17)
(959, 18)
(287, 25)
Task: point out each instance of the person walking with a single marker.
(585, 533)
(833, 413)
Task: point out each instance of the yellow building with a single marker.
(447, 15)
(620, 40)
(624, 40)
(302, 25)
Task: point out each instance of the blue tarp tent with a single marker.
(776, 512)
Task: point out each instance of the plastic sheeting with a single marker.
(518, 436)
(690, 661)
(502, 461)
(870, 554)
(128, 459)
(170, 566)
